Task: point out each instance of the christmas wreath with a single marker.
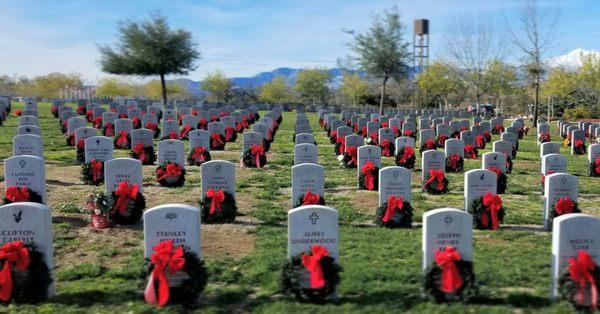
(230, 134)
(498, 128)
(167, 261)
(93, 172)
(309, 198)
(70, 140)
(54, 111)
(501, 179)
(454, 163)
(171, 136)
(340, 146)
(99, 206)
(137, 123)
(441, 141)
(81, 110)
(64, 126)
(455, 134)
(217, 141)
(143, 153)
(218, 206)
(395, 213)
(25, 275)
(564, 206)
(406, 157)
(332, 136)
(435, 182)
(387, 148)
(579, 148)
(198, 156)
(183, 135)
(509, 163)
(170, 175)
(129, 204)
(255, 157)
(108, 129)
(122, 140)
(373, 139)
(80, 151)
(349, 159)
(154, 128)
(368, 178)
(450, 278)
(544, 137)
(595, 168)
(487, 211)
(409, 133)
(15, 194)
(429, 144)
(316, 264)
(578, 282)
(470, 152)
(480, 140)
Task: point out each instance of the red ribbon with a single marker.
(216, 198)
(245, 123)
(436, 175)
(342, 147)
(171, 170)
(258, 151)
(109, 129)
(430, 144)
(151, 126)
(198, 153)
(454, 159)
(125, 192)
(368, 169)
(122, 140)
(214, 118)
(312, 262)
(98, 122)
(492, 203)
(96, 166)
(470, 151)
(564, 205)
(480, 141)
(396, 131)
(136, 121)
(17, 194)
(310, 198)
(173, 135)
(499, 128)
(407, 153)
(216, 140)
(184, 133)
(13, 254)
(393, 204)
(385, 144)
(408, 133)
(164, 259)
(352, 151)
(229, 131)
(140, 151)
(442, 140)
(451, 279)
(496, 170)
(486, 134)
(549, 172)
(374, 137)
(384, 124)
(333, 134)
(580, 270)
(363, 131)
(597, 164)
(18, 113)
(579, 145)
(81, 144)
(202, 123)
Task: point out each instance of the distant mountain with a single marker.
(572, 60)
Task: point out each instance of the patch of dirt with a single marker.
(227, 241)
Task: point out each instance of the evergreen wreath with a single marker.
(454, 163)
(170, 175)
(579, 148)
(564, 206)
(509, 164)
(482, 219)
(70, 140)
(389, 152)
(230, 134)
(171, 136)
(595, 168)
(108, 129)
(146, 151)
(433, 283)
(31, 284)
(14, 194)
(571, 290)
(346, 160)
(428, 145)
(154, 128)
(217, 141)
(133, 209)
(401, 219)
(122, 141)
(362, 184)
(501, 180)
(225, 214)
(249, 159)
(432, 187)
(80, 152)
(293, 269)
(407, 162)
(194, 160)
(88, 175)
(300, 201)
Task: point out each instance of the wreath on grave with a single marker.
(332, 136)
(54, 111)
(64, 126)
(183, 135)
(595, 168)
(544, 137)
(487, 136)
(363, 131)
(92, 172)
(480, 140)
(129, 204)
(89, 116)
(170, 175)
(217, 141)
(470, 152)
(454, 163)
(15, 194)
(143, 153)
(455, 134)
(441, 141)
(18, 112)
(450, 278)
(99, 206)
(254, 157)
(349, 159)
(387, 148)
(70, 140)
(80, 151)
(578, 282)
(271, 135)
(218, 207)
(81, 110)
(171, 136)
(373, 139)
(198, 156)
(501, 179)
(322, 122)
(202, 124)
(154, 128)
(137, 123)
(395, 213)
(368, 178)
(487, 212)
(435, 182)
(309, 198)
(323, 271)
(579, 148)
(167, 260)
(498, 128)
(108, 129)
(122, 140)
(564, 206)
(97, 123)
(230, 134)
(429, 144)
(340, 146)
(26, 276)
(509, 163)
(409, 133)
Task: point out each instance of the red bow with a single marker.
(17, 194)
(122, 116)
(564, 205)
(312, 262)
(408, 152)
(499, 128)
(430, 144)
(579, 145)
(451, 279)
(173, 135)
(18, 113)
(125, 192)
(463, 129)
(98, 122)
(136, 121)
(310, 198)
(12, 253)
(454, 159)
(214, 118)
(373, 137)
(480, 141)
(393, 204)
(363, 131)
(185, 131)
(229, 133)
(216, 198)
(81, 144)
(122, 140)
(486, 134)
(442, 140)
(140, 151)
(216, 139)
(172, 170)
(496, 170)
(151, 126)
(352, 151)
(581, 270)
(109, 129)
(396, 131)
(597, 164)
(342, 147)
(202, 122)
(96, 169)
(367, 170)
(163, 258)
(492, 203)
(333, 134)
(436, 175)
(258, 151)
(245, 123)
(384, 124)
(470, 151)
(385, 144)
(408, 133)
(198, 153)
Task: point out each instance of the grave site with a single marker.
(292, 214)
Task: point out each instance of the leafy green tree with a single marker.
(112, 87)
(311, 85)
(150, 48)
(154, 89)
(275, 92)
(382, 51)
(218, 85)
(501, 80)
(439, 79)
(49, 86)
(354, 87)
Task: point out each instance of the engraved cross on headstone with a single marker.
(313, 218)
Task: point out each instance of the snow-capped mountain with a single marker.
(572, 60)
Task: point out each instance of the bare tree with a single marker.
(472, 44)
(533, 31)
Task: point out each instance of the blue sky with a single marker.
(241, 37)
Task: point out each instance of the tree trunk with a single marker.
(536, 99)
(163, 86)
(446, 103)
(385, 79)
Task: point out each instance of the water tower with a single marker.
(420, 53)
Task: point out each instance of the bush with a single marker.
(579, 112)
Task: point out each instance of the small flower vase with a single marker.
(100, 222)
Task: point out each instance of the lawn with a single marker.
(102, 271)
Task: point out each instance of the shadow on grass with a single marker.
(91, 297)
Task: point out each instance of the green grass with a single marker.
(382, 268)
